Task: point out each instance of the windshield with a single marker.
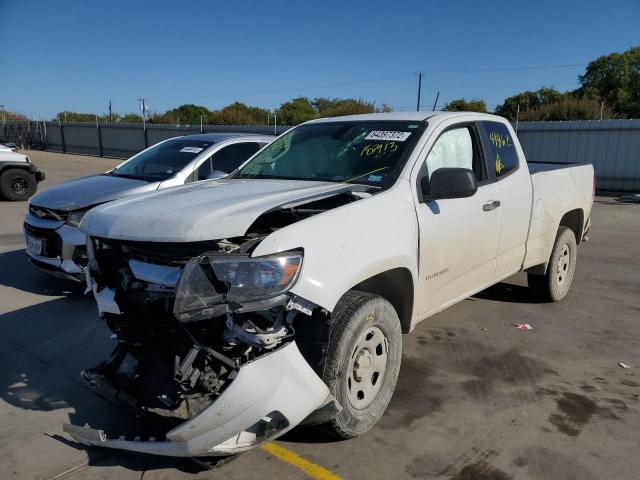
(371, 153)
(161, 161)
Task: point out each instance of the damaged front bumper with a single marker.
(268, 397)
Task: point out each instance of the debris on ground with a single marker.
(484, 329)
(624, 365)
(523, 326)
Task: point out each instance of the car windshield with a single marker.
(161, 161)
(371, 153)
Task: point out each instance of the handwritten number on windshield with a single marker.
(378, 148)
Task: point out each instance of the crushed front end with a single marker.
(207, 344)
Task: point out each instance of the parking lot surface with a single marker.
(476, 399)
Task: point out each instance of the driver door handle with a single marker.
(487, 207)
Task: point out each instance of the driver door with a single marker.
(459, 236)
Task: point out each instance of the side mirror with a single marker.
(216, 174)
(449, 183)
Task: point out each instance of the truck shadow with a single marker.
(507, 292)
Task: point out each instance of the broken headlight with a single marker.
(209, 280)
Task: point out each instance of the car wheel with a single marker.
(363, 361)
(17, 185)
(555, 284)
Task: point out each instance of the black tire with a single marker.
(555, 284)
(362, 317)
(17, 185)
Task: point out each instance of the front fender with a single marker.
(347, 245)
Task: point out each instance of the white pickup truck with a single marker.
(278, 295)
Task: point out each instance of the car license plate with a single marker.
(34, 245)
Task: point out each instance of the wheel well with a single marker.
(575, 221)
(396, 286)
(6, 167)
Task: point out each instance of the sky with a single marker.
(77, 55)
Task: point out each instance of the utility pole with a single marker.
(3, 113)
(143, 107)
(110, 113)
(601, 109)
(517, 117)
(275, 122)
(419, 90)
(436, 102)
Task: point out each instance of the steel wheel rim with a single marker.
(564, 264)
(367, 367)
(19, 185)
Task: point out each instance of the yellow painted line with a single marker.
(312, 469)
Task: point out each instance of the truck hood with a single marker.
(209, 210)
(87, 191)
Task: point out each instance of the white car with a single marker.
(279, 295)
(55, 244)
(19, 176)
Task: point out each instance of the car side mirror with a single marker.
(216, 174)
(449, 183)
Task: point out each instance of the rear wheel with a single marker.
(363, 361)
(17, 185)
(555, 284)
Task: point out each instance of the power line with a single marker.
(386, 77)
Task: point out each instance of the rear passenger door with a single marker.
(507, 169)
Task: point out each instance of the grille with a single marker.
(160, 253)
(48, 213)
(51, 241)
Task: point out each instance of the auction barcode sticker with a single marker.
(388, 135)
(191, 150)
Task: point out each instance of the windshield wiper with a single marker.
(125, 175)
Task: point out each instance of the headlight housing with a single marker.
(74, 218)
(209, 280)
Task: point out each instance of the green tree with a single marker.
(338, 107)
(615, 78)
(296, 111)
(568, 107)
(464, 105)
(238, 113)
(8, 116)
(131, 118)
(527, 101)
(187, 114)
(68, 116)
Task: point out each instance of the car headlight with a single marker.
(74, 218)
(207, 281)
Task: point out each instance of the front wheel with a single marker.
(363, 361)
(555, 284)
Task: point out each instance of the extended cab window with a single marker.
(456, 148)
(500, 148)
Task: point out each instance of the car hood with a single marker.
(87, 191)
(209, 210)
